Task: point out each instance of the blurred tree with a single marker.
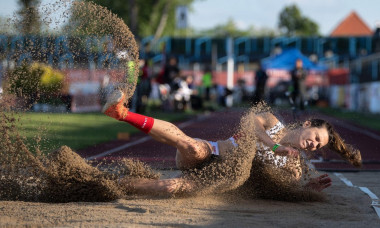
(292, 22)
(35, 81)
(5, 26)
(230, 28)
(146, 17)
(29, 17)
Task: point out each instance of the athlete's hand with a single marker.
(319, 183)
(287, 151)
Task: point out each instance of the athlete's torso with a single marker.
(264, 152)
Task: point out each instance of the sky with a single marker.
(263, 13)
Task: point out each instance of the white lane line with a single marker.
(144, 139)
(375, 200)
(377, 209)
(122, 147)
(345, 180)
(370, 194)
(357, 129)
(319, 160)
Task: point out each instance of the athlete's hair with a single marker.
(337, 144)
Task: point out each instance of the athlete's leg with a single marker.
(158, 187)
(190, 151)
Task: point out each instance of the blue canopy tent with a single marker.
(286, 61)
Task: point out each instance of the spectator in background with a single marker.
(261, 78)
(207, 82)
(171, 71)
(185, 96)
(222, 92)
(298, 82)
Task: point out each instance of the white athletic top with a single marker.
(266, 153)
(262, 150)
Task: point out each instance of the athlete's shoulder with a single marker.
(269, 120)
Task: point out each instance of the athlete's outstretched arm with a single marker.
(265, 121)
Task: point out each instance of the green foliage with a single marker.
(292, 22)
(85, 20)
(51, 80)
(148, 14)
(33, 80)
(22, 81)
(223, 30)
(230, 29)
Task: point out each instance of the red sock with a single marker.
(143, 123)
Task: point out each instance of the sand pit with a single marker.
(346, 207)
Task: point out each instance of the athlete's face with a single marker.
(312, 138)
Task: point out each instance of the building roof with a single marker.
(352, 25)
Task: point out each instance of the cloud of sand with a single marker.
(63, 176)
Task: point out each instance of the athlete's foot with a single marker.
(115, 105)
